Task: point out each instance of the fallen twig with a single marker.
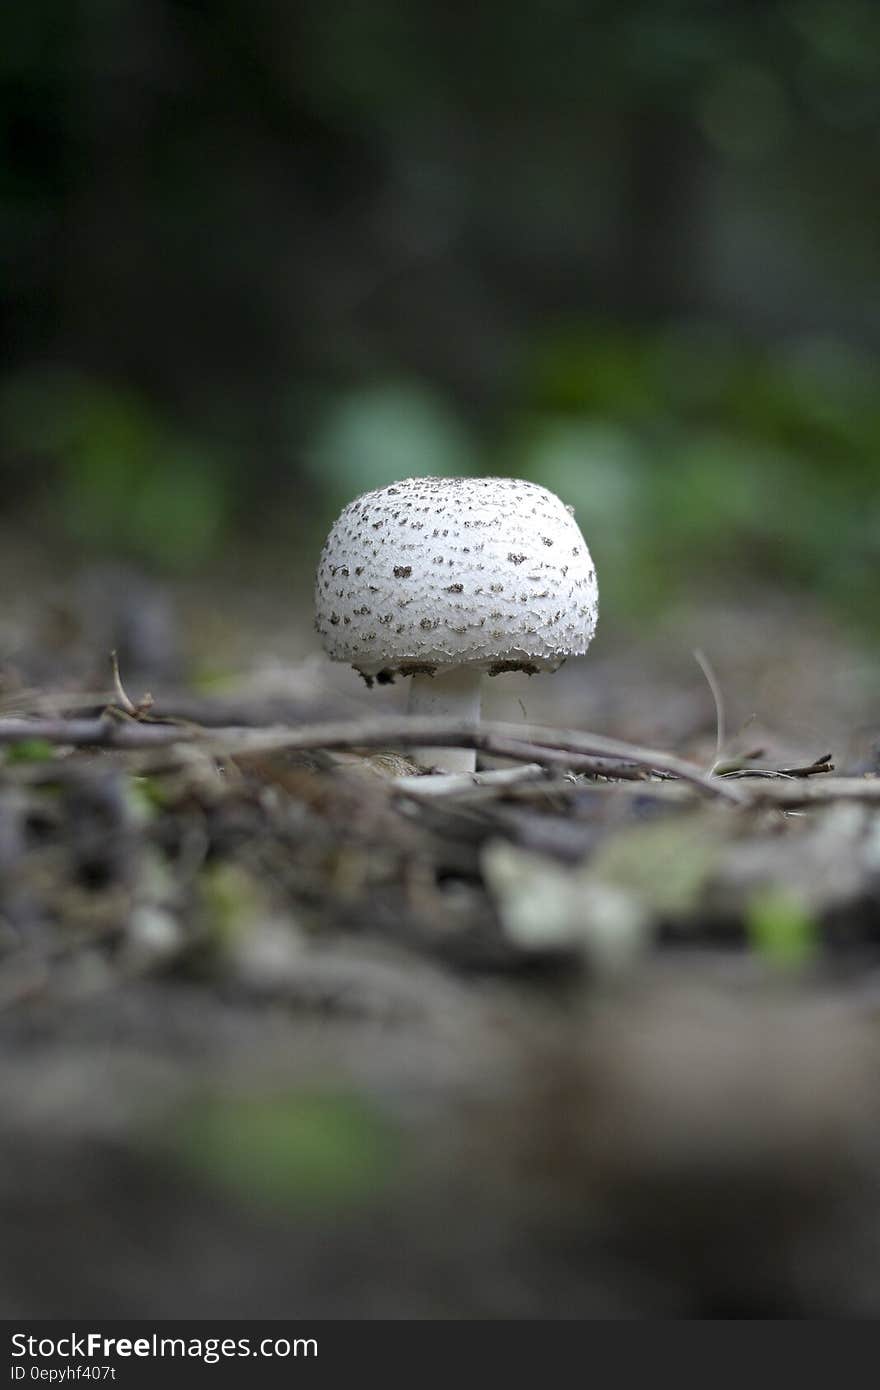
(464, 783)
(516, 749)
(820, 765)
(144, 705)
(714, 685)
(786, 793)
(108, 730)
(794, 791)
(521, 743)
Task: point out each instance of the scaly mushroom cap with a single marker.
(486, 572)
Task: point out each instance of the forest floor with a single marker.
(287, 1029)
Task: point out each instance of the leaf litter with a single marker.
(261, 997)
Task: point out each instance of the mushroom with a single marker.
(446, 580)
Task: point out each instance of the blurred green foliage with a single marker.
(692, 461)
(122, 478)
(260, 257)
(369, 437)
(695, 460)
(313, 1152)
(32, 750)
(781, 928)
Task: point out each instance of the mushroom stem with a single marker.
(454, 694)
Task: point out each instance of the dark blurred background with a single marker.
(259, 257)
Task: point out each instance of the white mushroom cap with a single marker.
(491, 573)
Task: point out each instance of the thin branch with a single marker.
(137, 711)
(521, 743)
(793, 792)
(784, 793)
(530, 738)
(822, 764)
(708, 671)
(465, 784)
(103, 731)
(569, 749)
(517, 749)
